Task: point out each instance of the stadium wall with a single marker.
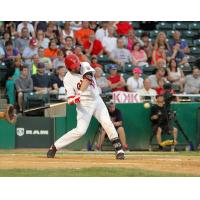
(136, 122)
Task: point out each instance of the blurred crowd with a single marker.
(34, 54)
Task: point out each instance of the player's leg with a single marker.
(83, 119)
(122, 137)
(102, 115)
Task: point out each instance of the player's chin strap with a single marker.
(116, 144)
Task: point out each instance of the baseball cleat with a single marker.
(120, 155)
(52, 152)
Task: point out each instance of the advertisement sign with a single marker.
(34, 132)
(126, 97)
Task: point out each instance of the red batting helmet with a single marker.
(72, 61)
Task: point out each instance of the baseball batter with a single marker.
(82, 90)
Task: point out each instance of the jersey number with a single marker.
(79, 84)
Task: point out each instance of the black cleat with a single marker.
(52, 152)
(120, 155)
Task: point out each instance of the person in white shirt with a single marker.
(28, 25)
(110, 42)
(135, 82)
(82, 90)
(146, 90)
(102, 32)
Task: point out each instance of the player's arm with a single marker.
(87, 80)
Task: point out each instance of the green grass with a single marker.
(86, 172)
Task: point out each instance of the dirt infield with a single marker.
(36, 159)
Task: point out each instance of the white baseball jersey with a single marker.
(72, 83)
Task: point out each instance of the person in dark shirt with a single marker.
(57, 79)
(116, 118)
(41, 80)
(160, 120)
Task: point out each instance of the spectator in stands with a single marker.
(116, 81)
(6, 37)
(52, 32)
(28, 25)
(41, 39)
(22, 42)
(40, 25)
(35, 62)
(135, 82)
(76, 25)
(175, 75)
(83, 34)
(2, 54)
(82, 57)
(161, 40)
(160, 63)
(52, 51)
(122, 28)
(66, 32)
(29, 52)
(102, 32)
(160, 88)
(192, 82)
(57, 79)
(178, 55)
(10, 52)
(94, 62)
(131, 39)
(102, 83)
(10, 27)
(147, 45)
(47, 61)
(68, 45)
(23, 84)
(139, 56)
(158, 54)
(177, 40)
(93, 25)
(116, 117)
(59, 61)
(120, 55)
(17, 65)
(147, 90)
(109, 42)
(92, 46)
(154, 78)
(41, 81)
(10, 86)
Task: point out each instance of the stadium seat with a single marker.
(135, 25)
(103, 59)
(170, 34)
(189, 34)
(138, 32)
(194, 26)
(180, 26)
(149, 70)
(196, 42)
(153, 34)
(164, 26)
(125, 76)
(195, 51)
(129, 67)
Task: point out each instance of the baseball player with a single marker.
(82, 90)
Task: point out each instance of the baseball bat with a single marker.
(45, 107)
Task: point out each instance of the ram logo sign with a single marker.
(21, 132)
